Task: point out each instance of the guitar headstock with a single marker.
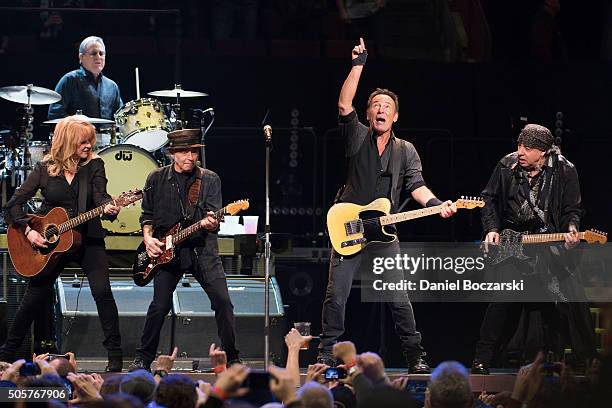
(591, 236)
(470, 202)
(128, 197)
(237, 206)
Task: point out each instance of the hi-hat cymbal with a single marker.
(38, 95)
(178, 91)
(93, 121)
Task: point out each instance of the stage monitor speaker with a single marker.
(196, 328)
(16, 287)
(81, 330)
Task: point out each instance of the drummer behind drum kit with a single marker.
(129, 154)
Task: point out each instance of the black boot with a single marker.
(417, 364)
(139, 364)
(115, 365)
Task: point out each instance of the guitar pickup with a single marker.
(353, 227)
(352, 242)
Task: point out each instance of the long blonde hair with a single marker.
(66, 139)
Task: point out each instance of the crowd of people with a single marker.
(365, 384)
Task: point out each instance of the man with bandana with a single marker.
(535, 190)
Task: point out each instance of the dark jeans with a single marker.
(341, 273)
(37, 303)
(164, 285)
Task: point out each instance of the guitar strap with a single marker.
(193, 194)
(82, 200)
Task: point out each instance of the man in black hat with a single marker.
(183, 192)
(534, 190)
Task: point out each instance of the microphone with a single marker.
(268, 132)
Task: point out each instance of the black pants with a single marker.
(341, 273)
(563, 323)
(164, 285)
(37, 303)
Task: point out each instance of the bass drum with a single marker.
(127, 168)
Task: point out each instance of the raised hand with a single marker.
(359, 49)
(165, 362)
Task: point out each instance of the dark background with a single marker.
(462, 115)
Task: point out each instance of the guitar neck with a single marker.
(81, 219)
(410, 215)
(541, 238)
(186, 232)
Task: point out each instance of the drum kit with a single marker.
(131, 146)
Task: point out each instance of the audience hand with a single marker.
(528, 380)
(294, 339)
(45, 367)
(86, 388)
(345, 351)
(165, 362)
(203, 389)
(12, 372)
(400, 383)
(282, 384)
(315, 372)
(217, 356)
(72, 360)
(230, 380)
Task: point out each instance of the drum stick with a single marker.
(137, 85)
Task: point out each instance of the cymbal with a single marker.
(93, 121)
(178, 91)
(38, 95)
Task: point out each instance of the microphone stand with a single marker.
(268, 134)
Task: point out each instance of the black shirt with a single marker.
(56, 192)
(370, 175)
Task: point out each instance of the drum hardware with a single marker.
(29, 95)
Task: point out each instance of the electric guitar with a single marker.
(144, 268)
(351, 227)
(59, 231)
(511, 242)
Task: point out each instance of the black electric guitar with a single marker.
(144, 268)
(511, 242)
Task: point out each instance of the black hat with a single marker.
(536, 136)
(184, 139)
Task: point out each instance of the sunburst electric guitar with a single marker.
(511, 242)
(59, 231)
(351, 227)
(145, 267)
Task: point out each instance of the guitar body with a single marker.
(145, 268)
(351, 226)
(510, 246)
(29, 261)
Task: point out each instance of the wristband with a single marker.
(28, 232)
(219, 369)
(360, 60)
(433, 202)
(220, 393)
(161, 373)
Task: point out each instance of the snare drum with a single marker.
(127, 168)
(143, 123)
